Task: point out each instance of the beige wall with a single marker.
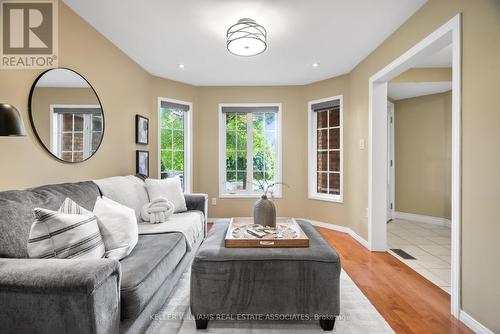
(422, 127)
(429, 74)
(481, 116)
(125, 90)
(44, 97)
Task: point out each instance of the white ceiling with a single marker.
(159, 35)
(442, 58)
(61, 77)
(405, 90)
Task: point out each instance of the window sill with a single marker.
(247, 195)
(327, 198)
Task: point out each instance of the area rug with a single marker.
(357, 316)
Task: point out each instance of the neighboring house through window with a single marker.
(76, 131)
(175, 140)
(250, 149)
(326, 149)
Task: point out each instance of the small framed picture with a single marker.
(142, 162)
(141, 130)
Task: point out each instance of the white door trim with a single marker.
(392, 168)
(448, 33)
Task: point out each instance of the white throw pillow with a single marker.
(126, 190)
(170, 189)
(64, 236)
(118, 226)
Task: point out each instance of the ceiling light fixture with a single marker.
(315, 65)
(181, 65)
(246, 38)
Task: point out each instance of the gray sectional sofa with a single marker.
(83, 296)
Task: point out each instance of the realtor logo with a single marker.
(28, 34)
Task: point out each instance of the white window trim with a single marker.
(222, 153)
(54, 135)
(311, 148)
(188, 141)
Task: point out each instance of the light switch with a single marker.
(361, 144)
(214, 201)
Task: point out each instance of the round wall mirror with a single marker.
(66, 115)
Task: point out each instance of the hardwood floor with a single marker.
(406, 300)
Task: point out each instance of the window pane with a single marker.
(78, 122)
(334, 117)
(96, 140)
(334, 183)
(334, 142)
(334, 161)
(241, 140)
(78, 142)
(96, 123)
(67, 156)
(67, 122)
(322, 139)
(178, 119)
(241, 122)
(264, 146)
(230, 121)
(241, 161)
(271, 121)
(178, 161)
(322, 161)
(258, 122)
(166, 139)
(166, 118)
(166, 161)
(178, 143)
(78, 156)
(231, 161)
(67, 142)
(322, 184)
(231, 176)
(231, 141)
(322, 117)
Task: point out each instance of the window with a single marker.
(250, 149)
(174, 140)
(76, 131)
(326, 149)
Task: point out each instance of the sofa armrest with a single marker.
(198, 202)
(59, 295)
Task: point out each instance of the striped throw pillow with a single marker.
(64, 236)
(70, 206)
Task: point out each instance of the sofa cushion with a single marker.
(127, 190)
(153, 259)
(16, 211)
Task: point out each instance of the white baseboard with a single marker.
(338, 228)
(333, 227)
(473, 324)
(421, 218)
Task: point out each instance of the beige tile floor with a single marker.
(431, 246)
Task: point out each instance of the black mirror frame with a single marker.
(32, 122)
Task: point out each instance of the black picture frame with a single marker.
(141, 124)
(142, 162)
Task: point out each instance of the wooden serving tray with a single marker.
(287, 235)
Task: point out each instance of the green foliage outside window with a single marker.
(264, 147)
(172, 142)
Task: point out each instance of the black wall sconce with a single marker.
(11, 122)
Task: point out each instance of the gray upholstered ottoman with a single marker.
(267, 284)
